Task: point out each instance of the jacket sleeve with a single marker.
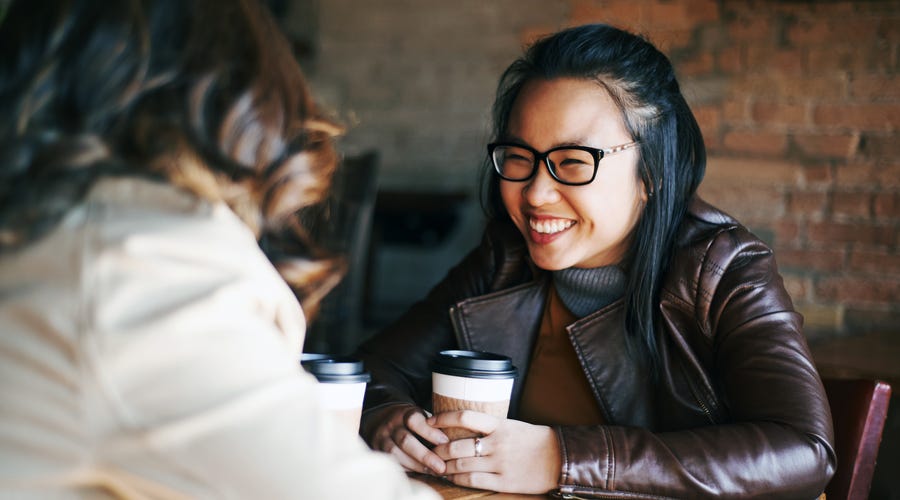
(399, 357)
(772, 437)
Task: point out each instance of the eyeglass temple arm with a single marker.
(620, 148)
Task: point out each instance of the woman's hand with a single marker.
(398, 430)
(514, 457)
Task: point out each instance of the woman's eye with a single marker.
(574, 162)
(517, 157)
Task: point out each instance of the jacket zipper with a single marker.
(703, 405)
(706, 410)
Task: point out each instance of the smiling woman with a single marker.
(588, 224)
(659, 352)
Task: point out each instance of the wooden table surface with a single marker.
(450, 491)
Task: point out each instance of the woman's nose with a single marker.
(542, 189)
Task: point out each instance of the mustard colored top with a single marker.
(556, 390)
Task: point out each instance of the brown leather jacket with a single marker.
(738, 410)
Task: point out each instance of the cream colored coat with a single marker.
(148, 349)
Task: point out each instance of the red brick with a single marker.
(889, 175)
(858, 116)
(752, 171)
(534, 33)
(875, 87)
(889, 26)
(893, 55)
(669, 14)
(817, 175)
(791, 87)
(809, 204)
(855, 290)
(753, 83)
(709, 119)
(797, 285)
(779, 113)
(787, 233)
(775, 59)
(703, 11)
(887, 205)
(868, 175)
(827, 146)
(881, 262)
(699, 64)
(756, 143)
(731, 59)
(857, 233)
(851, 204)
(822, 32)
(856, 175)
(668, 40)
(855, 58)
(881, 146)
(817, 10)
(810, 87)
(747, 202)
(734, 111)
(614, 12)
(816, 260)
(751, 29)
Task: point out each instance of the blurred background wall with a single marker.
(799, 102)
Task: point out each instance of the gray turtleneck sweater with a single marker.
(584, 291)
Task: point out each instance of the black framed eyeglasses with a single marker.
(569, 165)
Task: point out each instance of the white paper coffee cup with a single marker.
(471, 380)
(342, 386)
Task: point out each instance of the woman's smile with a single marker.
(549, 226)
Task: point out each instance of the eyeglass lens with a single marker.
(568, 165)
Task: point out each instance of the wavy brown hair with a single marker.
(203, 94)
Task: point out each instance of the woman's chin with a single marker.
(548, 262)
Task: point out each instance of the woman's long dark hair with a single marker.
(672, 162)
(203, 94)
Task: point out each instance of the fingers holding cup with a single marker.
(471, 380)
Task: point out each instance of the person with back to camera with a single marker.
(149, 347)
(659, 353)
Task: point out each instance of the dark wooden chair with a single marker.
(345, 229)
(858, 409)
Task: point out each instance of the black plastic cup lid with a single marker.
(334, 369)
(473, 364)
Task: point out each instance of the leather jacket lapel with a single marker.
(516, 312)
(620, 380)
(621, 384)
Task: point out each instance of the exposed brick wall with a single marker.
(799, 103)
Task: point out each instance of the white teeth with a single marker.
(550, 226)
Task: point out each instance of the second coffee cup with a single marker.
(342, 385)
(471, 380)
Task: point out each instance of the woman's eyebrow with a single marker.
(518, 140)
